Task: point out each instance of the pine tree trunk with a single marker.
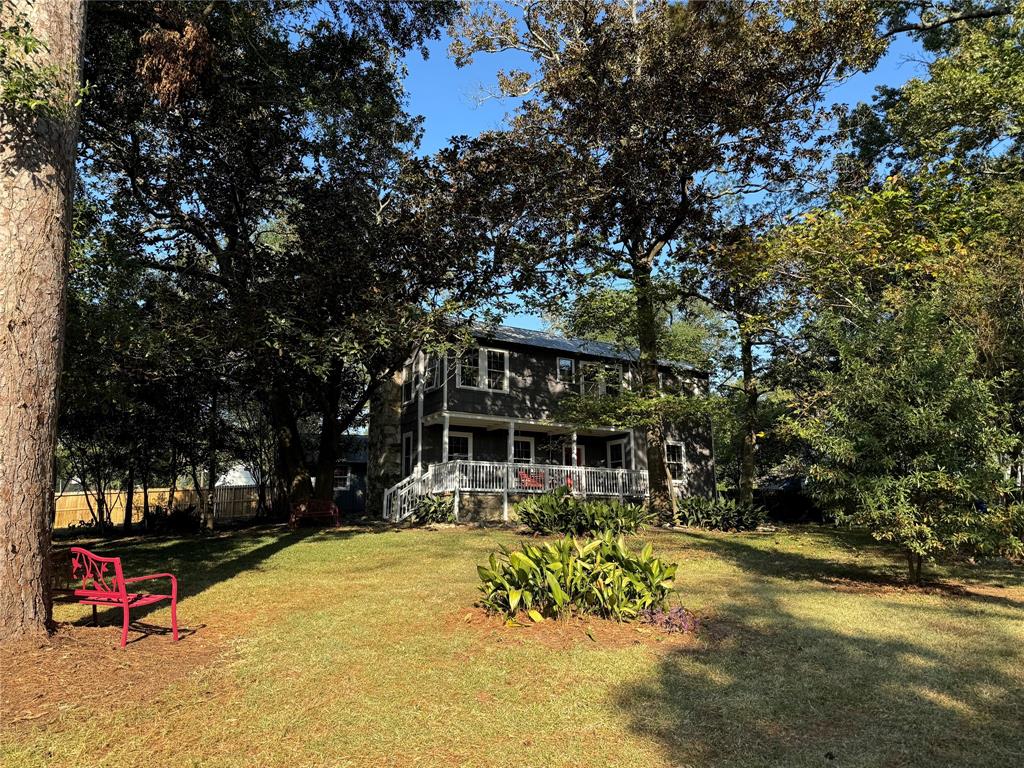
(37, 165)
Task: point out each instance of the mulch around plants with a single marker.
(84, 667)
(563, 634)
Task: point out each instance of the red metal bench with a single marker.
(101, 587)
(313, 509)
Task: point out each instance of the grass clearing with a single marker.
(354, 647)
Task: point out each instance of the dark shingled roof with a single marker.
(529, 338)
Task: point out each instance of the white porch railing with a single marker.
(503, 477)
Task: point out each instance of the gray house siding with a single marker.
(533, 395)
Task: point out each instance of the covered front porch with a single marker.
(509, 480)
(479, 438)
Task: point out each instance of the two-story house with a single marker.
(484, 425)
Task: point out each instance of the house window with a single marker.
(497, 369)
(617, 454)
(407, 455)
(408, 383)
(600, 378)
(676, 459)
(484, 369)
(342, 478)
(469, 368)
(566, 370)
(522, 450)
(460, 446)
(433, 376)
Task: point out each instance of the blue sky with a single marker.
(449, 98)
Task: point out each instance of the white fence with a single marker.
(502, 477)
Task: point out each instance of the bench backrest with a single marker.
(314, 506)
(100, 576)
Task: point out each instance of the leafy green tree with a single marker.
(650, 115)
(264, 161)
(907, 439)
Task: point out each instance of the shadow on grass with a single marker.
(765, 561)
(788, 676)
(199, 562)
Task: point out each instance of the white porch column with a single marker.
(575, 459)
(632, 449)
(418, 383)
(508, 469)
(444, 440)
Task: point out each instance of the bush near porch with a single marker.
(357, 648)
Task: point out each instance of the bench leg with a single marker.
(95, 618)
(124, 627)
(174, 619)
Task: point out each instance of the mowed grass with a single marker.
(352, 648)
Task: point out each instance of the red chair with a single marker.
(529, 482)
(101, 587)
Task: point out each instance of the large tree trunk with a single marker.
(327, 454)
(748, 445)
(662, 499)
(37, 164)
(290, 459)
(384, 462)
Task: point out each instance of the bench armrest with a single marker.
(171, 576)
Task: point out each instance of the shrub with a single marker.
(600, 577)
(561, 512)
(720, 514)
(434, 509)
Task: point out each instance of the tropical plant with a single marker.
(561, 512)
(573, 576)
(720, 514)
(434, 509)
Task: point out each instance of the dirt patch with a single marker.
(84, 667)
(561, 634)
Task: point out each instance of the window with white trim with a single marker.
(617, 454)
(433, 374)
(408, 383)
(600, 378)
(566, 373)
(342, 478)
(676, 459)
(483, 369)
(460, 446)
(407, 455)
(497, 369)
(522, 450)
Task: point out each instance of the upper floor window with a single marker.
(484, 369)
(433, 375)
(600, 378)
(408, 383)
(676, 460)
(566, 370)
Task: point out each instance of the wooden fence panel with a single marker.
(231, 502)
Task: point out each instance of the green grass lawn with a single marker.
(360, 648)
